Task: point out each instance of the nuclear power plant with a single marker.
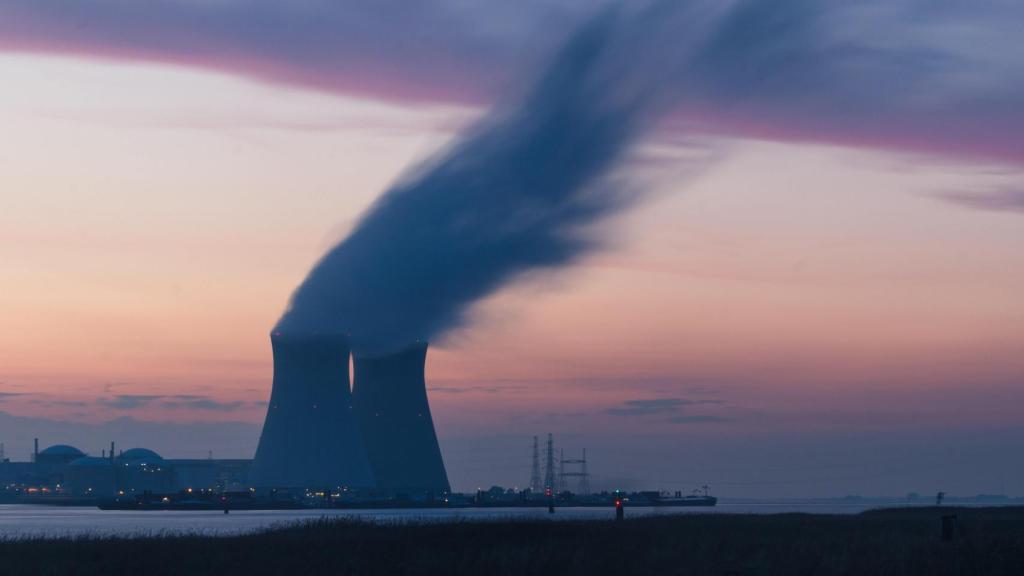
(390, 400)
(311, 437)
(318, 433)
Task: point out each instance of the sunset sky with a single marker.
(818, 294)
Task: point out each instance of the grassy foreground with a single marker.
(990, 541)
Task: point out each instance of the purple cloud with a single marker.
(899, 74)
(170, 401)
(697, 419)
(1000, 199)
(430, 50)
(649, 406)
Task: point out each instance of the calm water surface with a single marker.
(20, 521)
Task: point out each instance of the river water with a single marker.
(27, 521)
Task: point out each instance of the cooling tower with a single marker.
(390, 399)
(311, 437)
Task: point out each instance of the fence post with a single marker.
(948, 527)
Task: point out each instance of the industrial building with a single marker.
(390, 399)
(377, 436)
(310, 438)
(63, 470)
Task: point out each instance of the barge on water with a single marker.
(210, 500)
(199, 501)
(699, 497)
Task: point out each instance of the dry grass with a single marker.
(897, 541)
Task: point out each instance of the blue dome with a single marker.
(140, 454)
(62, 450)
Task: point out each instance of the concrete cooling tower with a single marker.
(390, 400)
(311, 437)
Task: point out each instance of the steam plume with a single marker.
(516, 193)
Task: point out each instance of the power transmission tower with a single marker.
(549, 465)
(561, 471)
(535, 486)
(583, 487)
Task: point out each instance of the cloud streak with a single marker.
(203, 404)
(169, 401)
(900, 74)
(697, 419)
(129, 401)
(427, 50)
(998, 200)
(653, 406)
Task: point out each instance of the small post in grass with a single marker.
(948, 527)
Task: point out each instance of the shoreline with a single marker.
(907, 541)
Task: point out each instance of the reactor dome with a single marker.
(140, 454)
(58, 455)
(62, 451)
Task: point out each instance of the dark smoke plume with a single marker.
(518, 192)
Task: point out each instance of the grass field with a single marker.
(988, 541)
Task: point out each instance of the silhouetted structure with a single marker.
(581, 473)
(390, 399)
(62, 471)
(535, 470)
(549, 465)
(310, 437)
